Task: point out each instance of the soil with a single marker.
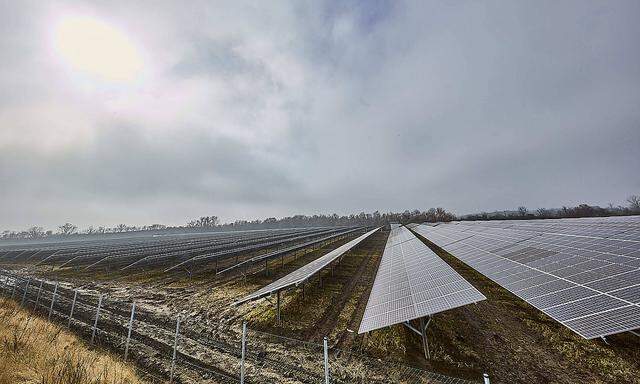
(502, 336)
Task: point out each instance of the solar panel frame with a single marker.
(413, 282)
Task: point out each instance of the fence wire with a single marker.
(268, 359)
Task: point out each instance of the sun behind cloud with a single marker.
(95, 47)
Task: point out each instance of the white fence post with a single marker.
(13, 290)
(73, 305)
(126, 346)
(26, 289)
(95, 323)
(326, 360)
(175, 349)
(244, 349)
(35, 306)
(486, 378)
(53, 299)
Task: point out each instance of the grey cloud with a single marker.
(343, 106)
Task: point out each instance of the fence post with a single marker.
(326, 360)
(126, 346)
(244, 348)
(35, 306)
(26, 289)
(95, 323)
(486, 378)
(175, 348)
(13, 291)
(73, 305)
(53, 299)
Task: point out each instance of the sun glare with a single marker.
(97, 48)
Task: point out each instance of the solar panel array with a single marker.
(413, 282)
(283, 251)
(305, 272)
(140, 250)
(584, 273)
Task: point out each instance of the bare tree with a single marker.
(67, 229)
(634, 203)
(35, 232)
(204, 221)
(543, 212)
(522, 211)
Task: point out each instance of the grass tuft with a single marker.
(34, 350)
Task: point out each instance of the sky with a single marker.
(161, 111)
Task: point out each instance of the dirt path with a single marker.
(361, 294)
(330, 318)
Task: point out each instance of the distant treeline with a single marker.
(361, 219)
(582, 210)
(212, 223)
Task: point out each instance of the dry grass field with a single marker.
(33, 350)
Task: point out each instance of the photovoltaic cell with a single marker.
(413, 282)
(584, 273)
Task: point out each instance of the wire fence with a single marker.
(174, 352)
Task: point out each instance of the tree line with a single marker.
(581, 210)
(212, 223)
(208, 223)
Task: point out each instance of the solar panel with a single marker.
(584, 273)
(413, 282)
(305, 272)
(282, 251)
(249, 248)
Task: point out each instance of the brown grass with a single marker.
(33, 350)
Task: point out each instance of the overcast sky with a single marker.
(270, 108)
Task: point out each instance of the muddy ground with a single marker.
(503, 336)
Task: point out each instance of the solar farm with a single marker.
(516, 301)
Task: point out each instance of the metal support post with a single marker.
(53, 299)
(175, 349)
(95, 323)
(425, 341)
(35, 306)
(278, 318)
(73, 305)
(24, 295)
(244, 350)
(326, 360)
(126, 346)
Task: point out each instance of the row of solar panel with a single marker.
(305, 272)
(137, 253)
(413, 282)
(584, 273)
